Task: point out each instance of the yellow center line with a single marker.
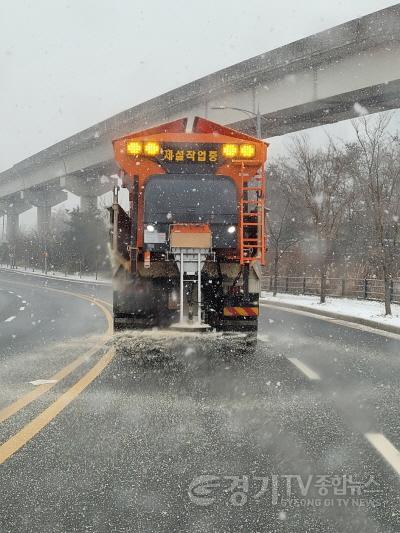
(103, 302)
(31, 429)
(28, 398)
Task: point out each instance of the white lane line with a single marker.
(37, 382)
(307, 371)
(19, 296)
(386, 449)
(9, 319)
(10, 292)
(22, 308)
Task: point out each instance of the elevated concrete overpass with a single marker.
(310, 82)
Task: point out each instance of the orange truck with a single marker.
(189, 252)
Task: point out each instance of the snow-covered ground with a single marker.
(84, 278)
(365, 309)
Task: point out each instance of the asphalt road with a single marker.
(193, 433)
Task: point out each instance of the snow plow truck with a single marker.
(189, 251)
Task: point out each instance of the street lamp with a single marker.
(251, 114)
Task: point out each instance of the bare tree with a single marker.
(282, 239)
(284, 222)
(322, 182)
(376, 165)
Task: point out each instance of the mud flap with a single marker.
(141, 303)
(240, 315)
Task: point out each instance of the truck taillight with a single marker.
(146, 259)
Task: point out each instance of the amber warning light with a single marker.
(150, 148)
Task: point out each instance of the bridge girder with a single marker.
(307, 83)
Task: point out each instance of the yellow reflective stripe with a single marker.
(241, 311)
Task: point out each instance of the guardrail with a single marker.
(367, 288)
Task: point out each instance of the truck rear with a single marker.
(189, 251)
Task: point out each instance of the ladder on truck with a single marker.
(252, 217)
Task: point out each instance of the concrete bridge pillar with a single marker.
(13, 206)
(3, 226)
(88, 188)
(44, 199)
(12, 228)
(88, 203)
(43, 218)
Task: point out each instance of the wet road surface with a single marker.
(193, 433)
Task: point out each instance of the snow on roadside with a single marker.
(57, 275)
(356, 308)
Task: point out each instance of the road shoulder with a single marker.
(266, 302)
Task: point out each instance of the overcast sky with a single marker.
(67, 64)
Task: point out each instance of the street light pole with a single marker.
(258, 122)
(252, 114)
(45, 259)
